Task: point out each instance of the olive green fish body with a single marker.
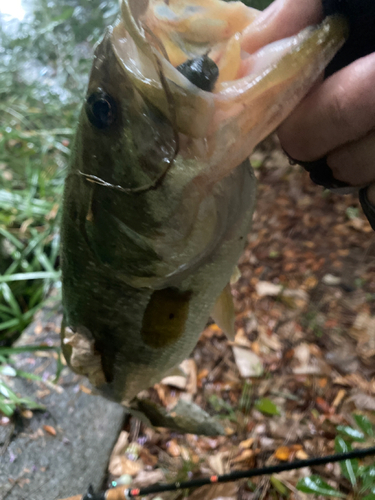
(144, 331)
(160, 194)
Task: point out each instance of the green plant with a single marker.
(9, 400)
(44, 65)
(361, 478)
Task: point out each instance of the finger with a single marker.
(283, 18)
(354, 162)
(341, 110)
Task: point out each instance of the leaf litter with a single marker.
(300, 364)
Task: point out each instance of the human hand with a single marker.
(336, 122)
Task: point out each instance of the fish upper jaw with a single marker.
(254, 92)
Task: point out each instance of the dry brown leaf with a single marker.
(147, 478)
(40, 394)
(166, 395)
(38, 329)
(227, 491)
(301, 455)
(247, 443)
(243, 457)
(356, 380)
(50, 430)
(219, 462)
(363, 401)
(255, 347)
(85, 389)
(178, 381)
(173, 448)
(267, 289)
(248, 363)
(323, 382)
(121, 444)
(282, 453)
(147, 458)
(120, 465)
(202, 374)
(339, 397)
(323, 405)
(190, 368)
(241, 338)
(27, 414)
(310, 282)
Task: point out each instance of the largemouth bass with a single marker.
(160, 195)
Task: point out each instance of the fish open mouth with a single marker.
(248, 93)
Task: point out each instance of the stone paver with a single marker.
(37, 465)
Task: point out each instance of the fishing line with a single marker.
(122, 493)
(173, 117)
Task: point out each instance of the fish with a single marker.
(160, 194)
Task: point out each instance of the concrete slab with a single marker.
(35, 464)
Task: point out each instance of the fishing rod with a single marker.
(122, 493)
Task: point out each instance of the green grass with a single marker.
(44, 66)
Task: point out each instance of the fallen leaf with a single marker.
(173, 448)
(241, 338)
(363, 401)
(85, 389)
(202, 375)
(147, 478)
(27, 414)
(121, 444)
(301, 455)
(225, 491)
(267, 289)
(266, 406)
(323, 382)
(178, 381)
(243, 457)
(283, 453)
(50, 430)
(247, 443)
(219, 463)
(331, 280)
(147, 458)
(339, 397)
(120, 465)
(248, 363)
(323, 405)
(190, 368)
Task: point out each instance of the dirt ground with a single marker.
(302, 360)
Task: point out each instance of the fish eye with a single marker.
(101, 109)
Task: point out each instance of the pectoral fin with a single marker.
(223, 313)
